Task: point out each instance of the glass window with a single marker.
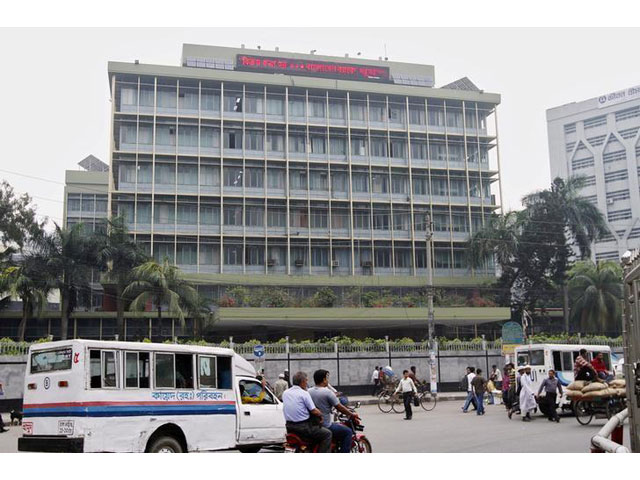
(136, 370)
(255, 216)
(254, 255)
(209, 215)
(233, 215)
(338, 146)
(109, 379)
(537, 357)
(94, 368)
(297, 143)
(50, 361)
(187, 175)
(357, 112)
(209, 137)
(255, 177)
(233, 139)
(296, 107)
(188, 136)
(416, 115)
(207, 372)
(210, 175)
(186, 254)
(254, 140)
(275, 142)
(87, 202)
(275, 177)
(184, 370)
(275, 105)
(210, 101)
(319, 257)
(276, 218)
(317, 107)
(358, 146)
(336, 109)
(360, 182)
(165, 174)
(165, 375)
(318, 144)
(101, 204)
(253, 390)
(73, 202)
(233, 254)
(233, 176)
(254, 103)
(378, 147)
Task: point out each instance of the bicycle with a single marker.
(427, 399)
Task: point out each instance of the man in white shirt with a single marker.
(375, 379)
(408, 389)
(470, 394)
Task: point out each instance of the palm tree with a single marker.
(500, 237)
(162, 284)
(27, 282)
(596, 293)
(118, 255)
(70, 254)
(583, 222)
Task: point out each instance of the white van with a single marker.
(100, 396)
(559, 357)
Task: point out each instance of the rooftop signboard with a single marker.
(313, 68)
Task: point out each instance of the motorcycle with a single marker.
(359, 442)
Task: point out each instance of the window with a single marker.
(358, 147)
(380, 183)
(578, 164)
(418, 150)
(360, 182)
(73, 202)
(137, 370)
(297, 143)
(207, 372)
(416, 115)
(569, 128)
(165, 174)
(186, 254)
(318, 218)
(233, 176)
(87, 203)
(618, 195)
(187, 214)
(627, 113)
(318, 180)
(233, 139)
(319, 257)
(318, 144)
(357, 112)
(537, 357)
(275, 105)
(165, 374)
(275, 178)
(233, 215)
(210, 101)
(210, 176)
(233, 254)
(377, 112)
(276, 218)
(254, 140)
(336, 109)
(339, 181)
(253, 104)
(595, 122)
(398, 148)
(614, 156)
(254, 255)
(619, 215)
(51, 360)
(187, 175)
(378, 147)
(338, 146)
(255, 216)
(298, 180)
(209, 215)
(615, 176)
(316, 107)
(253, 390)
(102, 368)
(254, 178)
(383, 258)
(275, 142)
(296, 107)
(399, 183)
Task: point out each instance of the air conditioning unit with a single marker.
(299, 262)
(335, 263)
(271, 262)
(367, 264)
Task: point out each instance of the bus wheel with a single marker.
(166, 445)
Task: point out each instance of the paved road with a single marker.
(447, 429)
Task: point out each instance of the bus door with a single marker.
(563, 365)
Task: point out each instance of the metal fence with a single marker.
(14, 348)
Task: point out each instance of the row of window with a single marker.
(189, 101)
(363, 218)
(301, 179)
(619, 215)
(600, 120)
(87, 203)
(301, 256)
(189, 138)
(170, 370)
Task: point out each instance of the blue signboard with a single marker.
(258, 351)
(512, 333)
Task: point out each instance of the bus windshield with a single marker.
(51, 360)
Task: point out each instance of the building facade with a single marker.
(248, 162)
(599, 138)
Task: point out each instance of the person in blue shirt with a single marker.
(299, 412)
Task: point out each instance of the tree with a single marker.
(596, 292)
(18, 221)
(325, 298)
(162, 284)
(28, 282)
(582, 222)
(69, 255)
(500, 239)
(118, 254)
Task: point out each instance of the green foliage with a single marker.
(595, 292)
(239, 295)
(146, 340)
(325, 298)
(18, 222)
(6, 340)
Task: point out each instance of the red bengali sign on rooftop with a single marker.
(313, 68)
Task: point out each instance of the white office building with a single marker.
(599, 138)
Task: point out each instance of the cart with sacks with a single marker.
(596, 399)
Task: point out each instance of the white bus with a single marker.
(546, 356)
(100, 396)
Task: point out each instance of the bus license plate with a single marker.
(65, 427)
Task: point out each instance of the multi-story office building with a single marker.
(85, 202)
(254, 162)
(599, 138)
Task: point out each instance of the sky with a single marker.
(55, 104)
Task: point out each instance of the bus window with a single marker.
(131, 370)
(50, 361)
(109, 379)
(557, 361)
(567, 363)
(207, 372)
(184, 370)
(144, 370)
(165, 374)
(94, 368)
(137, 369)
(224, 372)
(537, 357)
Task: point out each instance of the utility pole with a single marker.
(429, 238)
(430, 317)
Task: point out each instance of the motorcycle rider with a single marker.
(325, 400)
(299, 410)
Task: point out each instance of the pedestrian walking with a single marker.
(408, 389)
(479, 385)
(527, 395)
(505, 386)
(469, 387)
(551, 386)
(495, 382)
(280, 386)
(514, 390)
(375, 379)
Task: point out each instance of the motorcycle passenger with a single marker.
(299, 412)
(324, 399)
